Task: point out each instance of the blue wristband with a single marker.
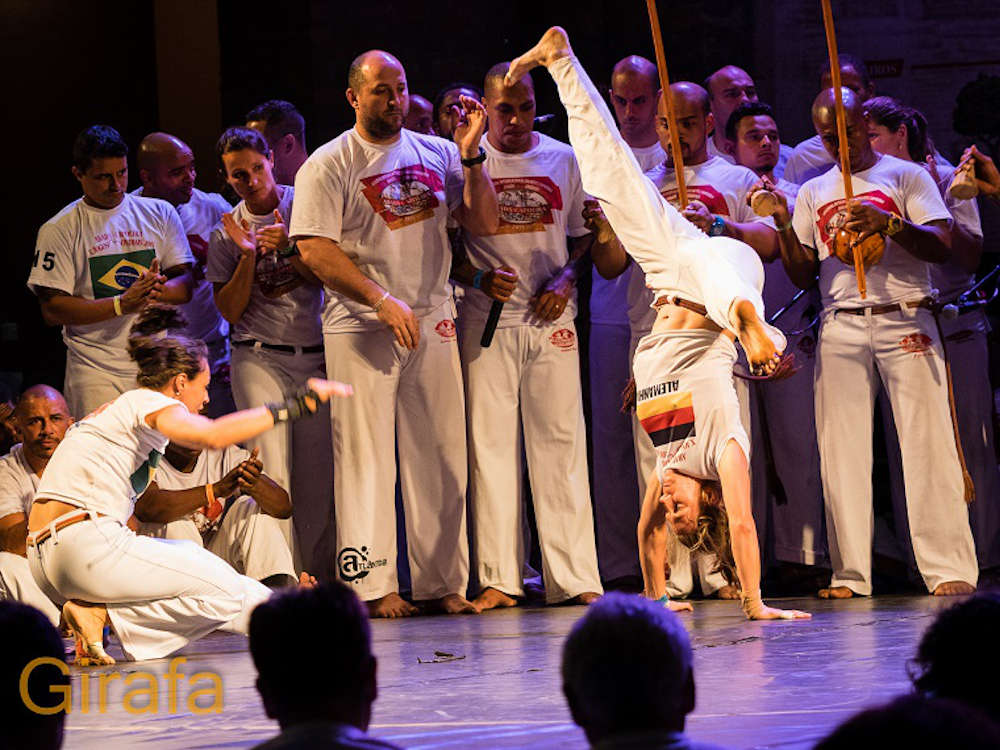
(718, 227)
(477, 280)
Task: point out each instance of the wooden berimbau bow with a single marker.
(846, 244)
(675, 139)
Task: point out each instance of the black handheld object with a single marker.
(491, 324)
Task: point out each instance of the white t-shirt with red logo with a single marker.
(97, 253)
(18, 482)
(200, 216)
(723, 188)
(387, 207)
(891, 184)
(283, 308)
(541, 203)
(609, 297)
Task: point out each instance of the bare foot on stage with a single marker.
(307, 581)
(760, 349)
(453, 604)
(86, 622)
(492, 598)
(835, 592)
(586, 598)
(954, 588)
(391, 606)
(553, 45)
(727, 592)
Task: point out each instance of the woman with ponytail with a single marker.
(156, 595)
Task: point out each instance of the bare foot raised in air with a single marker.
(761, 352)
(553, 45)
(86, 622)
(491, 598)
(954, 588)
(391, 606)
(835, 592)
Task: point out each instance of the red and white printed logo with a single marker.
(915, 343)
(446, 330)
(831, 216)
(526, 203)
(405, 195)
(563, 339)
(707, 194)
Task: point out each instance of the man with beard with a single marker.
(370, 221)
(42, 418)
(167, 171)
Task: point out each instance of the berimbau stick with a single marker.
(675, 139)
(843, 148)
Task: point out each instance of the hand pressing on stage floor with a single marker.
(954, 588)
(491, 598)
(390, 606)
(755, 609)
(86, 622)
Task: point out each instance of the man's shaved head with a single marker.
(364, 64)
(691, 94)
(157, 146)
(44, 393)
(166, 168)
(824, 115)
(494, 79)
(43, 418)
(635, 66)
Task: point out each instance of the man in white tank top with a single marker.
(43, 418)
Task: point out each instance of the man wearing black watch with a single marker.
(370, 221)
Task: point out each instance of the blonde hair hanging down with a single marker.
(711, 533)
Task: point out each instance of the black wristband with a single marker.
(475, 159)
(293, 407)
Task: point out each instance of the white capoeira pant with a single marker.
(17, 583)
(159, 594)
(412, 400)
(88, 387)
(296, 455)
(904, 350)
(677, 258)
(247, 538)
(526, 387)
(966, 342)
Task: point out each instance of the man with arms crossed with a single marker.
(97, 263)
(43, 418)
(370, 222)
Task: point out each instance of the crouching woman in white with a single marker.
(157, 594)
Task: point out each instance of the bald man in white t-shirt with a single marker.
(167, 171)
(370, 220)
(43, 418)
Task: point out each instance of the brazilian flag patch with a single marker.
(113, 274)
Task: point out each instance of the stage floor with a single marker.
(768, 685)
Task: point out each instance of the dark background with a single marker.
(192, 67)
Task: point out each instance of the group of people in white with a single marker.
(363, 275)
